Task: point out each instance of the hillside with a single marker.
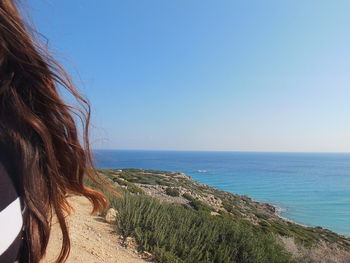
(240, 229)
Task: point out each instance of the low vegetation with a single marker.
(204, 224)
(172, 192)
(174, 233)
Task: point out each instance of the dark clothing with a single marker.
(11, 221)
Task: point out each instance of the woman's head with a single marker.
(38, 132)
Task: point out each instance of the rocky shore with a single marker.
(307, 244)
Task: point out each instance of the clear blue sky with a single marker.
(208, 75)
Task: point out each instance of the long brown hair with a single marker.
(38, 132)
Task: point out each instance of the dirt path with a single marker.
(92, 239)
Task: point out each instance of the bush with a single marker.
(197, 204)
(228, 206)
(305, 236)
(175, 234)
(172, 192)
(187, 196)
(130, 186)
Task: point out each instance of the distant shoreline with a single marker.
(279, 211)
(263, 176)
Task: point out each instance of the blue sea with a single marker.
(310, 188)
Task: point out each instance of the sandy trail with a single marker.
(92, 240)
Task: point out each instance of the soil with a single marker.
(92, 239)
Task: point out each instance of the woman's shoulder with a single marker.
(11, 221)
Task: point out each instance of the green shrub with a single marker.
(176, 234)
(172, 191)
(305, 236)
(187, 196)
(228, 206)
(262, 216)
(130, 186)
(197, 204)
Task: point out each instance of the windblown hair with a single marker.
(39, 134)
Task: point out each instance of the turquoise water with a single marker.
(311, 189)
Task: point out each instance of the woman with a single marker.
(41, 156)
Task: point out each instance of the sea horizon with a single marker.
(311, 189)
(231, 151)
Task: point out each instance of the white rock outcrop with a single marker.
(111, 215)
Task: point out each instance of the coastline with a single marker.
(175, 189)
(311, 179)
(278, 212)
